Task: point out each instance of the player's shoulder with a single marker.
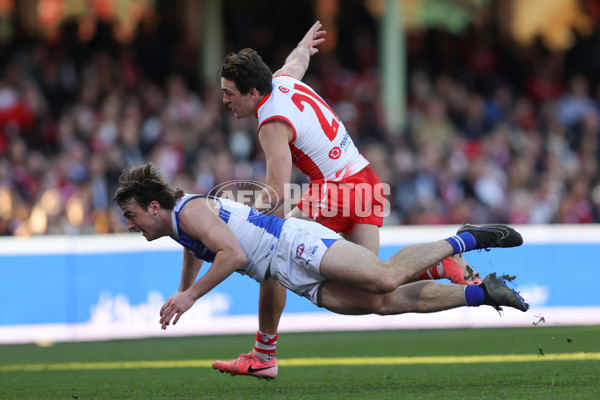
(285, 78)
(279, 100)
(286, 84)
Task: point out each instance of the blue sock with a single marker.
(462, 242)
(474, 295)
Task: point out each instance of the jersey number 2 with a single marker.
(304, 95)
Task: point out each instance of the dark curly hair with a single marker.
(144, 184)
(247, 69)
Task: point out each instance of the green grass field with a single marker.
(421, 364)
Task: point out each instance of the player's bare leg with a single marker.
(349, 263)
(270, 305)
(366, 236)
(360, 283)
(421, 297)
(418, 297)
(454, 268)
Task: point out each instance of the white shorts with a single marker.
(297, 259)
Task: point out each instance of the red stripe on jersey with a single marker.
(305, 164)
(260, 103)
(283, 119)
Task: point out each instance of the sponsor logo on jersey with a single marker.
(345, 140)
(270, 252)
(335, 153)
(300, 250)
(283, 89)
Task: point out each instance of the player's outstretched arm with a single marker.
(296, 63)
(189, 270)
(202, 223)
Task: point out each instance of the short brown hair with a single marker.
(144, 184)
(247, 69)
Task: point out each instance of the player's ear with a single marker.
(254, 93)
(154, 207)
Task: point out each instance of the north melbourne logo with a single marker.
(300, 250)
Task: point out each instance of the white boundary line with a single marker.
(389, 236)
(532, 234)
(84, 244)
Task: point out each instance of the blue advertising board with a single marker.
(112, 282)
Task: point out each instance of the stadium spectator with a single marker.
(55, 96)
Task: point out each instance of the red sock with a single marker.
(434, 272)
(265, 346)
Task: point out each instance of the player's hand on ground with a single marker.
(175, 306)
(313, 38)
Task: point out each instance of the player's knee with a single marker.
(390, 281)
(384, 285)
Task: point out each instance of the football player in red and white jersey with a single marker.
(297, 127)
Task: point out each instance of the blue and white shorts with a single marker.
(297, 259)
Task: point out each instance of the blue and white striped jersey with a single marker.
(256, 232)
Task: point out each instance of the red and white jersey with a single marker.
(321, 147)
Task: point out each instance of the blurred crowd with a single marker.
(494, 132)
